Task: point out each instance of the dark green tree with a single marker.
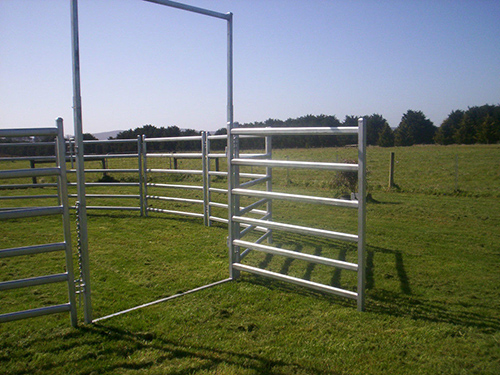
(386, 137)
(414, 128)
(446, 132)
(374, 126)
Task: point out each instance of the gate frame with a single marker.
(77, 114)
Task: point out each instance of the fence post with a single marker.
(139, 161)
(204, 159)
(361, 212)
(391, 171)
(145, 174)
(269, 184)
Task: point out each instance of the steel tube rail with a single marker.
(104, 141)
(259, 240)
(293, 280)
(111, 156)
(252, 175)
(218, 219)
(124, 196)
(25, 186)
(255, 182)
(34, 158)
(347, 130)
(29, 132)
(193, 214)
(217, 173)
(177, 156)
(34, 281)
(162, 300)
(361, 213)
(36, 172)
(219, 205)
(190, 8)
(80, 164)
(297, 164)
(117, 208)
(297, 229)
(217, 190)
(9, 317)
(176, 171)
(107, 184)
(31, 212)
(30, 196)
(29, 250)
(297, 255)
(107, 171)
(253, 206)
(174, 139)
(175, 199)
(174, 186)
(27, 144)
(297, 198)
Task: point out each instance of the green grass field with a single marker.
(433, 281)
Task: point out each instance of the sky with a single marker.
(143, 63)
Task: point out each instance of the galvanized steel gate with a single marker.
(26, 212)
(238, 216)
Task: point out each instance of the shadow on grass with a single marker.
(111, 350)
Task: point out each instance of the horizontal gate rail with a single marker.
(29, 132)
(183, 213)
(38, 172)
(296, 164)
(297, 198)
(33, 313)
(31, 212)
(174, 186)
(45, 196)
(293, 280)
(175, 199)
(297, 229)
(33, 281)
(29, 250)
(297, 255)
(346, 130)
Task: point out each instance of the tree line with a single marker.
(479, 124)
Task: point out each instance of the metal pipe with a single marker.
(31, 212)
(163, 300)
(297, 198)
(300, 256)
(29, 250)
(297, 229)
(296, 281)
(63, 196)
(18, 173)
(9, 317)
(29, 132)
(297, 164)
(191, 8)
(174, 186)
(297, 131)
(361, 213)
(80, 176)
(34, 281)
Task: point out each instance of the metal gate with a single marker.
(238, 216)
(26, 212)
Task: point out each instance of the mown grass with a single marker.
(433, 287)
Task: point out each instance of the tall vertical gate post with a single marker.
(141, 175)
(232, 152)
(361, 213)
(63, 197)
(269, 184)
(204, 161)
(80, 171)
(145, 173)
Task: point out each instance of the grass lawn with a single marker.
(433, 285)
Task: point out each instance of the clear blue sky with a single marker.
(143, 63)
